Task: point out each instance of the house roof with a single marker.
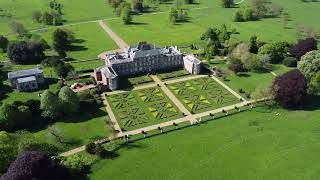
(24, 73)
(26, 79)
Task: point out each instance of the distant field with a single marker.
(158, 30)
(93, 40)
(73, 11)
(256, 144)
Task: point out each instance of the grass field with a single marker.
(73, 11)
(92, 39)
(158, 30)
(87, 65)
(247, 81)
(81, 129)
(275, 146)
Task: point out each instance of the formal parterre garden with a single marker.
(142, 108)
(202, 95)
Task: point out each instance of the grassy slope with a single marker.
(91, 127)
(248, 81)
(280, 147)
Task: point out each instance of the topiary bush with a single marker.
(91, 148)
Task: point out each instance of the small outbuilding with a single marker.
(27, 80)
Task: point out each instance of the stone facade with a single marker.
(26, 80)
(143, 58)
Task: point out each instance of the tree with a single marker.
(290, 62)
(173, 16)
(18, 28)
(47, 18)
(253, 45)
(290, 89)
(314, 84)
(259, 8)
(69, 100)
(126, 15)
(23, 52)
(50, 105)
(36, 165)
(63, 69)
(310, 64)
(137, 5)
(227, 3)
(303, 47)
(62, 40)
(276, 51)
(75, 162)
(3, 43)
(36, 16)
(8, 150)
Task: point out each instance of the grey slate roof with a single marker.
(23, 73)
(26, 79)
(146, 53)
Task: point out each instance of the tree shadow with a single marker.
(137, 23)
(311, 103)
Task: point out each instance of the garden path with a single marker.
(171, 95)
(113, 119)
(165, 124)
(117, 39)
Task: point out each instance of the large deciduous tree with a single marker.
(36, 165)
(23, 52)
(310, 64)
(50, 105)
(276, 51)
(303, 47)
(290, 89)
(69, 100)
(227, 3)
(62, 40)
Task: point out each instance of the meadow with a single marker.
(263, 143)
(157, 29)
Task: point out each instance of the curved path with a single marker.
(240, 2)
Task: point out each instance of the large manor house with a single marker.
(143, 58)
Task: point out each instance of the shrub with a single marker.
(91, 148)
(290, 62)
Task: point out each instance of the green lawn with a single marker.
(82, 129)
(87, 65)
(158, 30)
(73, 11)
(247, 81)
(256, 144)
(93, 40)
